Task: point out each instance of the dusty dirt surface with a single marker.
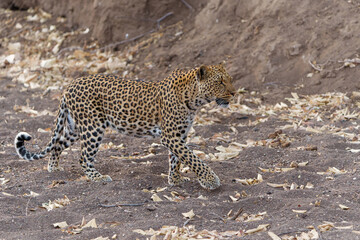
(286, 151)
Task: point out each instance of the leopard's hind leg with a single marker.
(90, 139)
(69, 137)
(174, 177)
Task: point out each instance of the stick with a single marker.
(187, 229)
(124, 41)
(319, 232)
(162, 18)
(222, 219)
(138, 36)
(186, 222)
(27, 205)
(18, 31)
(315, 67)
(187, 5)
(122, 205)
(237, 214)
(69, 49)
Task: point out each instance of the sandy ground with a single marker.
(286, 150)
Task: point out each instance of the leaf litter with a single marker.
(76, 228)
(49, 66)
(57, 203)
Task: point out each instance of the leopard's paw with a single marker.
(55, 169)
(210, 182)
(102, 178)
(178, 180)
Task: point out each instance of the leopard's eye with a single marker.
(221, 81)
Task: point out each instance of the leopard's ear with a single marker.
(222, 64)
(202, 72)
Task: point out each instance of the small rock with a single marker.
(294, 49)
(14, 47)
(101, 70)
(10, 59)
(317, 82)
(151, 208)
(327, 74)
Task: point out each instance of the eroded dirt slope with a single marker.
(288, 159)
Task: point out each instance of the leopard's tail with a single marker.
(23, 136)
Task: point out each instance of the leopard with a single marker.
(162, 109)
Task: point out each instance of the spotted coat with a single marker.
(164, 109)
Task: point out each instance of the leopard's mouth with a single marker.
(222, 102)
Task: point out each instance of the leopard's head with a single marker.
(215, 84)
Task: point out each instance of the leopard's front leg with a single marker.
(206, 176)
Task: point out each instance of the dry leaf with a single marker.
(31, 194)
(276, 185)
(202, 197)
(353, 150)
(326, 226)
(7, 194)
(156, 198)
(309, 185)
(343, 207)
(276, 170)
(344, 227)
(260, 228)
(313, 234)
(142, 232)
(200, 154)
(61, 225)
(58, 203)
(303, 164)
(293, 186)
(299, 211)
(198, 140)
(100, 238)
(234, 199)
(274, 236)
(251, 217)
(222, 156)
(189, 214)
(91, 223)
(250, 181)
(4, 181)
(332, 170)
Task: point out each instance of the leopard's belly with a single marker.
(136, 129)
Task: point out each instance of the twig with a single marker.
(69, 49)
(354, 60)
(184, 225)
(17, 32)
(222, 219)
(294, 231)
(319, 232)
(122, 205)
(162, 18)
(124, 41)
(186, 222)
(347, 63)
(138, 36)
(27, 205)
(237, 214)
(339, 68)
(315, 67)
(187, 5)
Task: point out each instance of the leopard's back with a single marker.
(129, 106)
